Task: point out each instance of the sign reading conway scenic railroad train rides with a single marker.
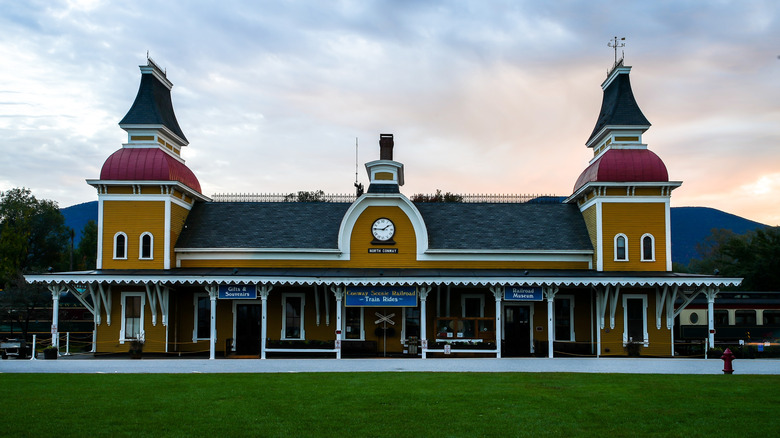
(237, 292)
(383, 296)
(528, 293)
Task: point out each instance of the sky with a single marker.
(481, 96)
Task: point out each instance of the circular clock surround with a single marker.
(383, 229)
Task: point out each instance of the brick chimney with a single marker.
(385, 146)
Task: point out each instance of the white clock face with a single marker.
(383, 229)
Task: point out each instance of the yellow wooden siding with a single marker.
(107, 339)
(119, 190)
(591, 222)
(582, 315)
(539, 321)
(612, 339)
(383, 176)
(133, 218)
(647, 191)
(634, 220)
(182, 319)
(210, 263)
(178, 217)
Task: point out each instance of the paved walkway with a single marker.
(488, 365)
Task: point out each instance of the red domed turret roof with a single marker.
(147, 164)
(625, 165)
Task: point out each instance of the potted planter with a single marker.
(50, 352)
(136, 349)
(633, 349)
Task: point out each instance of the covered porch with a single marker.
(442, 313)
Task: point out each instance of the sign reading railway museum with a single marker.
(381, 296)
(237, 292)
(525, 293)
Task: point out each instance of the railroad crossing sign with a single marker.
(384, 319)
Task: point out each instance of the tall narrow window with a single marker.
(353, 323)
(292, 324)
(120, 245)
(147, 242)
(473, 306)
(564, 318)
(648, 248)
(202, 317)
(621, 243)
(132, 316)
(635, 318)
(411, 322)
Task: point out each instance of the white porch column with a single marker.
(338, 292)
(711, 292)
(549, 293)
(423, 323)
(55, 313)
(498, 293)
(212, 290)
(263, 292)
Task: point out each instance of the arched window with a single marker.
(648, 248)
(120, 245)
(146, 245)
(621, 245)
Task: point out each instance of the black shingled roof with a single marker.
(522, 226)
(618, 106)
(263, 225)
(153, 106)
(474, 226)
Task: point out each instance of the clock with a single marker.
(383, 230)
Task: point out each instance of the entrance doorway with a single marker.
(517, 331)
(248, 329)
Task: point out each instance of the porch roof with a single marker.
(384, 277)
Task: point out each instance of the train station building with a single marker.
(379, 274)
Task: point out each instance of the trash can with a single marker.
(411, 344)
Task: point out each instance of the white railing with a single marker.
(491, 198)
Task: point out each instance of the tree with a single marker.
(87, 249)
(303, 196)
(754, 256)
(438, 197)
(33, 237)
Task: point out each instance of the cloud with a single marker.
(482, 96)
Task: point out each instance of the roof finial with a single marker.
(615, 43)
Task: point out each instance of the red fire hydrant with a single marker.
(727, 357)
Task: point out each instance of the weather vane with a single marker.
(615, 43)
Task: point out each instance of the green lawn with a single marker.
(388, 404)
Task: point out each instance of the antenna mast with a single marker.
(358, 186)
